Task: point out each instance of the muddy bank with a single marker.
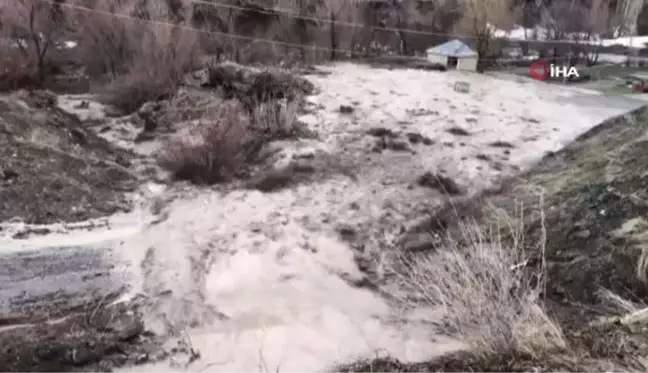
(467, 362)
(52, 168)
(63, 306)
(593, 197)
(97, 337)
(584, 208)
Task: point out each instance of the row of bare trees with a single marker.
(112, 41)
(582, 22)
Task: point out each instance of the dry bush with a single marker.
(105, 39)
(16, 70)
(214, 151)
(147, 59)
(156, 69)
(489, 298)
(276, 119)
(30, 28)
(227, 137)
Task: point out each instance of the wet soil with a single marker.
(97, 338)
(52, 168)
(593, 196)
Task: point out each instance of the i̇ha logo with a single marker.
(541, 70)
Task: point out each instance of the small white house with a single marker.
(454, 54)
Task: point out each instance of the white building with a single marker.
(454, 54)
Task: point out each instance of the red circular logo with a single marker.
(539, 70)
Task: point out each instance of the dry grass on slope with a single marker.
(489, 298)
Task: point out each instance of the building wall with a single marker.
(435, 58)
(467, 63)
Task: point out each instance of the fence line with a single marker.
(244, 37)
(360, 25)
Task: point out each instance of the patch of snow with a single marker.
(261, 280)
(627, 41)
(612, 58)
(70, 44)
(519, 33)
(540, 34)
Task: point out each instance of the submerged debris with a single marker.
(440, 182)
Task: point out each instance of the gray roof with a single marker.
(453, 48)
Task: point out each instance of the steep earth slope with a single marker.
(52, 168)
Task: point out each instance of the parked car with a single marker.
(640, 87)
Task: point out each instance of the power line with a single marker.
(234, 36)
(291, 14)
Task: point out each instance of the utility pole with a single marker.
(568, 66)
(632, 50)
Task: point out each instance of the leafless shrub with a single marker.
(214, 150)
(105, 38)
(30, 27)
(16, 70)
(488, 296)
(156, 69)
(276, 119)
(146, 58)
(578, 22)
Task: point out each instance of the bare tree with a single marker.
(34, 27)
(402, 9)
(301, 26)
(561, 19)
(342, 36)
(583, 23)
(146, 58)
(105, 38)
(480, 20)
(596, 21)
(527, 14)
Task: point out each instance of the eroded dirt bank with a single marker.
(53, 167)
(589, 201)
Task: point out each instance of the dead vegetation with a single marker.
(213, 151)
(556, 277)
(225, 141)
(171, 50)
(29, 32)
(128, 49)
(119, 41)
(488, 298)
